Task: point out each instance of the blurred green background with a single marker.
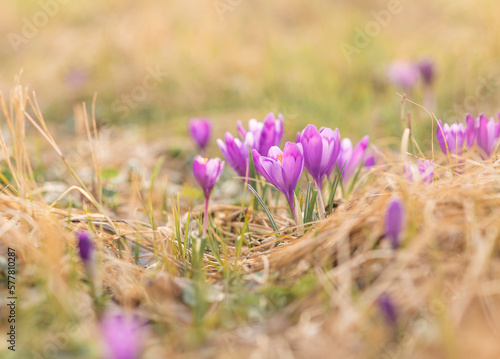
(237, 59)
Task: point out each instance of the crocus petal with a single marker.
(470, 130)
(312, 144)
(207, 172)
(441, 135)
(85, 245)
(394, 221)
(200, 129)
(357, 157)
(123, 335)
(388, 309)
(275, 153)
(293, 165)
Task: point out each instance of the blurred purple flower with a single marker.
(266, 134)
(123, 335)
(403, 74)
(394, 221)
(76, 78)
(471, 129)
(85, 246)
(388, 309)
(453, 135)
(423, 171)
(200, 129)
(283, 169)
(487, 135)
(236, 152)
(350, 159)
(321, 149)
(426, 68)
(207, 172)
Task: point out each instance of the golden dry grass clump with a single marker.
(281, 295)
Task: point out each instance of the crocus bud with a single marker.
(85, 246)
(265, 134)
(201, 129)
(388, 309)
(321, 149)
(236, 152)
(487, 135)
(426, 68)
(471, 129)
(403, 74)
(123, 335)
(86, 249)
(282, 168)
(207, 172)
(350, 159)
(453, 136)
(394, 221)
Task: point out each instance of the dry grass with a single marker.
(286, 296)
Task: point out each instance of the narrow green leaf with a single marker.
(269, 215)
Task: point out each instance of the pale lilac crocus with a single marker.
(350, 159)
(321, 149)
(236, 152)
(487, 136)
(207, 172)
(123, 335)
(282, 169)
(201, 130)
(422, 172)
(403, 74)
(265, 134)
(453, 136)
(394, 222)
(470, 129)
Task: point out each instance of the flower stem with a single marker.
(205, 217)
(319, 200)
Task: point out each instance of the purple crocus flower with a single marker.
(423, 171)
(487, 135)
(85, 246)
(283, 169)
(471, 129)
(236, 152)
(394, 221)
(350, 159)
(388, 309)
(266, 134)
(207, 172)
(403, 74)
(426, 68)
(453, 136)
(321, 149)
(123, 336)
(86, 249)
(201, 129)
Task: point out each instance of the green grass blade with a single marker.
(269, 215)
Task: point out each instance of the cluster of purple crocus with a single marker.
(481, 131)
(320, 152)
